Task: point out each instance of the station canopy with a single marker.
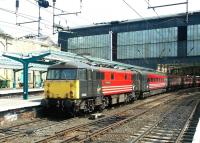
(54, 57)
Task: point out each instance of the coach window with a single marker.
(102, 76)
(98, 75)
(126, 77)
(112, 76)
(82, 74)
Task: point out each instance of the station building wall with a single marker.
(166, 40)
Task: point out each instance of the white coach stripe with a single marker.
(116, 91)
(129, 88)
(117, 86)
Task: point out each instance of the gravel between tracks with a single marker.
(179, 112)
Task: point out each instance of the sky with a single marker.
(92, 11)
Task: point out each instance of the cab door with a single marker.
(89, 83)
(82, 77)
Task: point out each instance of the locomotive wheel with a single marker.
(105, 103)
(91, 107)
(102, 106)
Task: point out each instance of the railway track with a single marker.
(27, 128)
(85, 132)
(154, 133)
(14, 131)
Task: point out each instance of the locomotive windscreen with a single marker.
(62, 74)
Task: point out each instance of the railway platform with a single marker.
(18, 103)
(5, 92)
(196, 138)
(12, 109)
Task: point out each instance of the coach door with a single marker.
(89, 83)
(136, 82)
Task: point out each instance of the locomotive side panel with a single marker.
(117, 83)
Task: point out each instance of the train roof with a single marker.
(144, 72)
(76, 65)
(73, 65)
(79, 65)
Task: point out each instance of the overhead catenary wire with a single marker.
(25, 16)
(133, 10)
(149, 5)
(27, 29)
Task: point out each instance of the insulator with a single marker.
(43, 3)
(17, 4)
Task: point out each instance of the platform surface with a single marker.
(18, 103)
(17, 91)
(196, 138)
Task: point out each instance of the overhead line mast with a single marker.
(41, 3)
(63, 13)
(45, 4)
(173, 4)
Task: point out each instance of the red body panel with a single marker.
(121, 83)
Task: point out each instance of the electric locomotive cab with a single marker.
(62, 85)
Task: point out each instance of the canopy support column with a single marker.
(25, 80)
(14, 79)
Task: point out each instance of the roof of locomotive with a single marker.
(73, 65)
(116, 69)
(76, 65)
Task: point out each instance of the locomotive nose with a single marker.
(62, 89)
